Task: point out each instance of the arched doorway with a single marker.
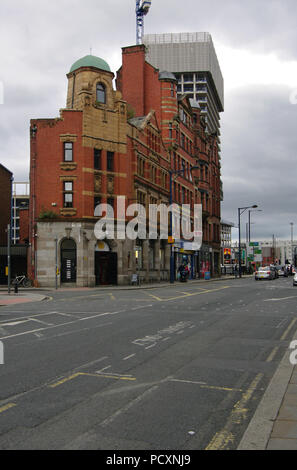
(68, 261)
(106, 265)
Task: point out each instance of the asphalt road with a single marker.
(177, 368)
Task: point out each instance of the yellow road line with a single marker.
(225, 437)
(7, 407)
(272, 354)
(224, 389)
(67, 379)
(78, 374)
(288, 329)
(210, 387)
(188, 294)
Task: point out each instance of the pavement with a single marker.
(274, 424)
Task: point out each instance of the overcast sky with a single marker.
(256, 44)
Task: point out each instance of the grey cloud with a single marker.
(259, 158)
(39, 41)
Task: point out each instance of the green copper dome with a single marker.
(91, 61)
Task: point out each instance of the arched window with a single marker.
(100, 93)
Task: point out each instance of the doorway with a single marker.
(106, 265)
(68, 261)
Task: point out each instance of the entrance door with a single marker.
(106, 268)
(68, 261)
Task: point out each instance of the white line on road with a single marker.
(283, 298)
(129, 357)
(60, 325)
(102, 370)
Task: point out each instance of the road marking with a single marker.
(272, 354)
(40, 321)
(67, 379)
(139, 308)
(62, 324)
(15, 323)
(125, 408)
(188, 294)
(188, 381)
(87, 374)
(129, 357)
(288, 329)
(7, 407)
(206, 386)
(283, 298)
(225, 437)
(102, 370)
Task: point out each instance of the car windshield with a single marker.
(265, 268)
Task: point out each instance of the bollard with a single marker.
(16, 288)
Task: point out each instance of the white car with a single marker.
(264, 273)
(295, 280)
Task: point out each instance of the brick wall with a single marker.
(5, 202)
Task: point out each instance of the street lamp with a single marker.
(241, 210)
(56, 262)
(171, 173)
(257, 210)
(291, 223)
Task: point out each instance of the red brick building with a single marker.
(5, 202)
(188, 145)
(108, 143)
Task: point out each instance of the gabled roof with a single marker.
(142, 121)
(5, 169)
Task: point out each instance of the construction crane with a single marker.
(142, 9)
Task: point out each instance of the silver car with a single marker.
(264, 273)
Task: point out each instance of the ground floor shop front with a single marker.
(70, 255)
(201, 263)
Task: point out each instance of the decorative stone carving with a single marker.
(97, 183)
(110, 185)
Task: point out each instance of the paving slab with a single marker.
(266, 429)
(11, 299)
(282, 444)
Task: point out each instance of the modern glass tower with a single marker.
(193, 60)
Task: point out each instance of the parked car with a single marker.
(295, 280)
(274, 270)
(282, 270)
(264, 273)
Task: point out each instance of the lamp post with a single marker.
(257, 210)
(171, 173)
(291, 223)
(241, 210)
(56, 261)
